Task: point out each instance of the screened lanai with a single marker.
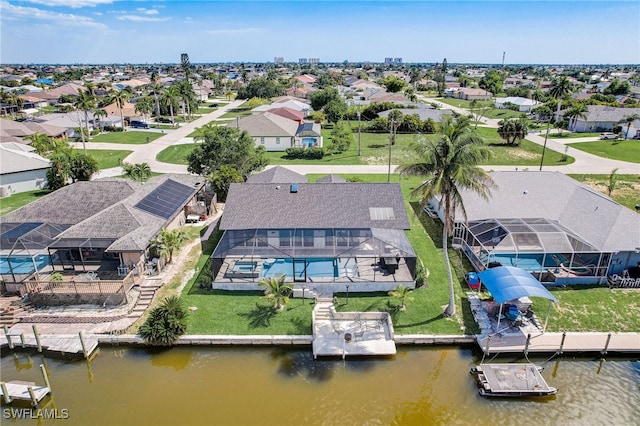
(538, 245)
(314, 255)
(23, 248)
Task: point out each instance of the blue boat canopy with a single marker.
(507, 283)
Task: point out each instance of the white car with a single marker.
(608, 136)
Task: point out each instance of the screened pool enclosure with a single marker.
(551, 252)
(366, 259)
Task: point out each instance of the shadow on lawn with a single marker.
(261, 315)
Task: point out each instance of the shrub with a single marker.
(312, 153)
(166, 323)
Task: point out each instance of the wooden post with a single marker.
(526, 345)
(22, 340)
(6, 335)
(606, 346)
(5, 393)
(34, 400)
(564, 336)
(35, 334)
(84, 348)
(486, 348)
(45, 376)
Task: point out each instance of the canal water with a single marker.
(275, 386)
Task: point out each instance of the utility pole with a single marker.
(359, 150)
(390, 140)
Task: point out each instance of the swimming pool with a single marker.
(22, 264)
(309, 268)
(244, 266)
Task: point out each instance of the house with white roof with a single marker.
(21, 170)
(523, 104)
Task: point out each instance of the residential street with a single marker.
(584, 162)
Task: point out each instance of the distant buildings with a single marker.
(278, 60)
(309, 60)
(392, 60)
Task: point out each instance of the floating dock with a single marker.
(511, 380)
(17, 390)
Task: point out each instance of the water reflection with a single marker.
(286, 386)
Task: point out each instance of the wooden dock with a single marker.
(511, 380)
(64, 344)
(23, 391)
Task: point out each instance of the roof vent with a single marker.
(294, 188)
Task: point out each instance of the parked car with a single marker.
(608, 136)
(165, 120)
(213, 106)
(139, 124)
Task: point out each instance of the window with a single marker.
(262, 140)
(328, 238)
(342, 237)
(285, 238)
(278, 140)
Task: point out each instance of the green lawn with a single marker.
(489, 111)
(108, 158)
(15, 201)
(131, 137)
(627, 193)
(237, 112)
(176, 154)
(628, 150)
(571, 135)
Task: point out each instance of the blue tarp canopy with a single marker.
(507, 283)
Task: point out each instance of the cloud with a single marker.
(138, 18)
(147, 11)
(234, 31)
(75, 4)
(12, 12)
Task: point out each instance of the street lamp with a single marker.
(347, 295)
(544, 147)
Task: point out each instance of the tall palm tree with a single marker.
(138, 172)
(120, 97)
(513, 130)
(144, 106)
(560, 87)
(187, 96)
(449, 161)
(276, 290)
(170, 98)
(628, 119)
(577, 111)
(100, 113)
(85, 101)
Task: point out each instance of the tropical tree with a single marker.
(276, 290)
(120, 97)
(82, 166)
(612, 182)
(85, 101)
(628, 120)
(395, 119)
(513, 130)
(341, 137)
(222, 179)
(187, 97)
(170, 98)
(98, 113)
(144, 106)
(335, 110)
(403, 294)
(560, 87)
(579, 110)
(449, 161)
(138, 172)
(165, 323)
(43, 144)
(168, 241)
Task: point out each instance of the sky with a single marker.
(210, 31)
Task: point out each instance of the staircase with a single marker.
(147, 293)
(324, 311)
(12, 309)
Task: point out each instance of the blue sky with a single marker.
(113, 31)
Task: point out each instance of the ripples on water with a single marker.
(274, 386)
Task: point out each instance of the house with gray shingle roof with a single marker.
(551, 225)
(277, 174)
(602, 118)
(103, 226)
(277, 133)
(322, 236)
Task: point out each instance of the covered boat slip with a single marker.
(551, 252)
(511, 380)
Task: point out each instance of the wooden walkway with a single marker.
(18, 390)
(603, 343)
(63, 344)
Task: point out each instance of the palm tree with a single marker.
(85, 101)
(138, 172)
(403, 294)
(165, 323)
(512, 130)
(612, 182)
(144, 106)
(560, 87)
(43, 144)
(276, 290)
(628, 119)
(120, 97)
(577, 111)
(450, 161)
(167, 241)
(170, 98)
(187, 96)
(100, 113)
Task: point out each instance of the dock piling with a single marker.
(564, 336)
(45, 376)
(526, 345)
(32, 395)
(35, 334)
(5, 393)
(84, 347)
(606, 346)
